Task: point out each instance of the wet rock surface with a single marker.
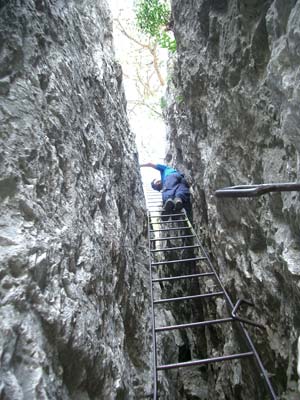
(233, 118)
(74, 302)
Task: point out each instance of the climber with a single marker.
(174, 187)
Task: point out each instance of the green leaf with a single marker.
(152, 18)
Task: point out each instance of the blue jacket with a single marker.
(165, 171)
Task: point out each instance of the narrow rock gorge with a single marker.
(74, 285)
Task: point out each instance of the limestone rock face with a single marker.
(233, 118)
(74, 305)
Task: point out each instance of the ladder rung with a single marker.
(174, 278)
(171, 229)
(172, 237)
(195, 324)
(205, 361)
(197, 296)
(179, 261)
(167, 215)
(176, 248)
(169, 222)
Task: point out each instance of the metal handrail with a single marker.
(242, 319)
(256, 190)
(245, 332)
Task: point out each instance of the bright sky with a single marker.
(149, 130)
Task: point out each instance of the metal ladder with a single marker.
(206, 268)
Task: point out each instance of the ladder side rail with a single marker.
(153, 319)
(244, 330)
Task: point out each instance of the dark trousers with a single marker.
(176, 185)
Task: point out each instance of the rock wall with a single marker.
(233, 118)
(74, 283)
